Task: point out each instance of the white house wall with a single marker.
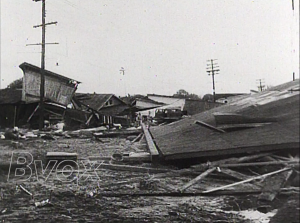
(165, 100)
(176, 104)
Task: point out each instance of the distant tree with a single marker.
(194, 96)
(16, 84)
(184, 94)
(208, 97)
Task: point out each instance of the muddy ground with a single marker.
(116, 196)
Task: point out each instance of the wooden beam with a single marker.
(246, 181)
(197, 179)
(136, 138)
(151, 146)
(233, 160)
(228, 165)
(124, 168)
(209, 126)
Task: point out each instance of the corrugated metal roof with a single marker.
(185, 139)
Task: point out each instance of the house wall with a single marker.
(166, 100)
(144, 104)
(55, 89)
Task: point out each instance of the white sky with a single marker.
(163, 45)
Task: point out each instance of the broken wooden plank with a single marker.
(137, 138)
(26, 191)
(238, 175)
(197, 179)
(151, 146)
(229, 160)
(272, 186)
(142, 138)
(228, 165)
(131, 168)
(121, 168)
(209, 126)
(245, 181)
(116, 134)
(61, 156)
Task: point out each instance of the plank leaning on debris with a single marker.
(248, 180)
(197, 179)
(230, 160)
(258, 164)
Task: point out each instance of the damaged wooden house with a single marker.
(21, 107)
(98, 109)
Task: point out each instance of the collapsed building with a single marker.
(20, 107)
(267, 121)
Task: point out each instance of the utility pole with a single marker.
(123, 73)
(211, 70)
(260, 86)
(43, 44)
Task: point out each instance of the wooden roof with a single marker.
(186, 139)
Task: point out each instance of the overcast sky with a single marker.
(163, 45)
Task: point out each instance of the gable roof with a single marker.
(95, 101)
(185, 139)
(26, 66)
(10, 96)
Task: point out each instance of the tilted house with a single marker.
(58, 88)
(59, 91)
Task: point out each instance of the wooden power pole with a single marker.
(260, 86)
(42, 85)
(211, 70)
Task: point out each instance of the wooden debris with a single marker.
(151, 146)
(272, 185)
(142, 138)
(259, 164)
(209, 126)
(116, 134)
(137, 138)
(233, 160)
(61, 156)
(131, 168)
(26, 191)
(245, 181)
(237, 175)
(197, 179)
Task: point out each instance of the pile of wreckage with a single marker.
(251, 142)
(20, 107)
